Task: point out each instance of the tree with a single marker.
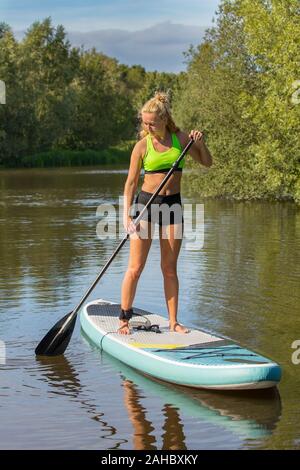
(272, 37)
(238, 89)
(103, 115)
(208, 98)
(11, 136)
(47, 66)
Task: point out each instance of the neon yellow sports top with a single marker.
(161, 162)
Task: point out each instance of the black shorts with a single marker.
(164, 210)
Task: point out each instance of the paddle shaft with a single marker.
(58, 337)
(136, 221)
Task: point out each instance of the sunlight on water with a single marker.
(243, 284)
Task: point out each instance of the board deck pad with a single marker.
(179, 354)
(106, 316)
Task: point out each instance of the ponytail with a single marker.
(159, 104)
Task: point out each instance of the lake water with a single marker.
(243, 283)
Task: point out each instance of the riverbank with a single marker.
(66, 158)
(197, 181)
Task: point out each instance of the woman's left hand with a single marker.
(196, 135)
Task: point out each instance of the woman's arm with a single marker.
(199, 152)
(132, 179)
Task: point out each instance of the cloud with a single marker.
(87, 15)
(159, 47)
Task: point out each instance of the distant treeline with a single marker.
(64, 157)
(63, 98)
(242, 87)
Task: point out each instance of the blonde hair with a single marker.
(159, 104)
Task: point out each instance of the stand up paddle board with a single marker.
(196, 359)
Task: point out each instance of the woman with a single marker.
(160, 146)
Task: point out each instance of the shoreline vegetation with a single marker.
(67, 106)
(66, 158)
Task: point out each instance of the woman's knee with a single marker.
(134, 272)
(169, 270)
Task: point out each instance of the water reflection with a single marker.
(249, 415)
(60, 374)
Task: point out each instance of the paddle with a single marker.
(56, 341)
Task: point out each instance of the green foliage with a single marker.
(65, 106)
(103, 113)
(38, 72)
(238, 89)
(59, 97)
(272, 30)
(55, 158)
(155, 81)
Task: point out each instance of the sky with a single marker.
(152, 33)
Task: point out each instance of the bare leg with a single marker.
(170, 247)
(139, 249)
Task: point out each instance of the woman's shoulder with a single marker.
(182, 137)
(141, 146)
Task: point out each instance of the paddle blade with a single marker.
(56, 341)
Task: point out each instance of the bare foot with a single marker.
(177, 328)
(124, 328)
